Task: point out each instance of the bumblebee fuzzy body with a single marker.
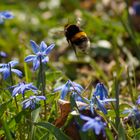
(76, 37)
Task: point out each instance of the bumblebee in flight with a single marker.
(76, 37)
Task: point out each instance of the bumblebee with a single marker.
(76, 37)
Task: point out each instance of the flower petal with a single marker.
(29, 58)
(18, 72)
(64, 91)
(77, 85)
(86, 118)
(58, 88)
(2, 64)
(6, 73)
(48, 50)
(101, 106)
(26, 104)
(88, 125)
(41, 97)
(13, 63)
(34, 46)
(15, 91)
(43, 46)
(36, 64)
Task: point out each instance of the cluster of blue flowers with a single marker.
(41, 56)
(70, 87)
(99, 99)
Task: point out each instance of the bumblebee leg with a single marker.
(74, 48)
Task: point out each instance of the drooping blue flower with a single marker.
(5, 15)
(70, 86)
(133, 116)
(32, 101)
(101, 91)
(94, 124)
(22, 87)
(6, 69)
(3, 54)
(40, 54)
(100, 98)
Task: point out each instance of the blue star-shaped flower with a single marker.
(70, 87)
(22, 87)
(93, 123)
(6, 69)
(5, 15)
(32, 101)
(40, 54)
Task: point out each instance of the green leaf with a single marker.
(121, 132)
(109, 134)
(6, 130)
(52, 76)
(73, 103)
(3, 107)
(54, 130)
(35, 117)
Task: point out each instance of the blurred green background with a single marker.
(114, 42)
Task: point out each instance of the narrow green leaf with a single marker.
(6, 130)
(35, 117)
(109, 134)
(121, 132)
(54, 130)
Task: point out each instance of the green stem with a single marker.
(86, 101)
(12, 83)
(43, 82)
(130, 86)
(117, 102)
(30, 125)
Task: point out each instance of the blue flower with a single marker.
(5, 15)
(22, 87)
(3, 54)
(100, 98)
(32, 101)
(136, 8)
(40, 54)
(93, 123)
(6, 69)
(70, 86)
(133, 116)
(101, 91)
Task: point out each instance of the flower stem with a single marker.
(43, 82)
(117, 102)
(12, 83)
